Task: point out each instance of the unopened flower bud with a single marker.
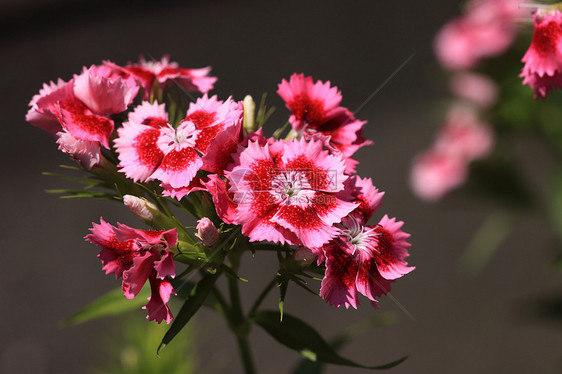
(207, 232)
(249, 111)
(140, 207)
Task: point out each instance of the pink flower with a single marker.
(316, 112)
(486, 30)
(138, 256)
(435, 173)
(164, 72)
(207, 232)
(543, 59)
(462, 139)
(103, 92)
(364, 259)
(80, 130)
(463, 135)
(150, 148)
(289, 198)
(362, 192)
(475, 88)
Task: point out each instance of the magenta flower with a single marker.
(151, 148)
(364, 259)
(164, 72)
(138, 256)
(76, 112)
(289, 198)
(543, 59)
(316, 112)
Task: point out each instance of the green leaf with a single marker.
(194, 301)
(110, 304)
(306, 366)
(301, 337)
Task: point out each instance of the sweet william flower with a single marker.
(291, 197)
(149, 147)
(543, 59)
(138, 256)
(77, 112)
(364, 259)
(164, 72)
(317, 114)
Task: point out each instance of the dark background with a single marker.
(47, 272)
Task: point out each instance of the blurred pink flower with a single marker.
(486, 29)
(475, 88)
(435, 173)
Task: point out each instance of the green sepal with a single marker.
(111, 303)
(301, 337)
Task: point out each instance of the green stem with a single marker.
(262, 296)
(240, 326)
(245, 354)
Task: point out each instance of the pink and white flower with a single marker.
(149, 147)
(290, 198)
(138, 256)
(364, 259)
(543, 60)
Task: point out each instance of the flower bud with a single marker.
(249, 110)
(207, 232)
(140, 207)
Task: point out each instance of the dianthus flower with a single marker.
(138, 256)
(77, 112)
(290, 197)
(543, 60)
(149, 147)
(164, 72)
(364, 259)
(316, 112)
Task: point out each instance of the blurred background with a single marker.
(447, 322)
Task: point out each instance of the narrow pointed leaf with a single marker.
(298, 335)
(110, 304)
(194, 301)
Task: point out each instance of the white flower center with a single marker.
(361, 237)
(184, 136)
(291, 187)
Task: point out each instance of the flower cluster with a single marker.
(213, 160)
